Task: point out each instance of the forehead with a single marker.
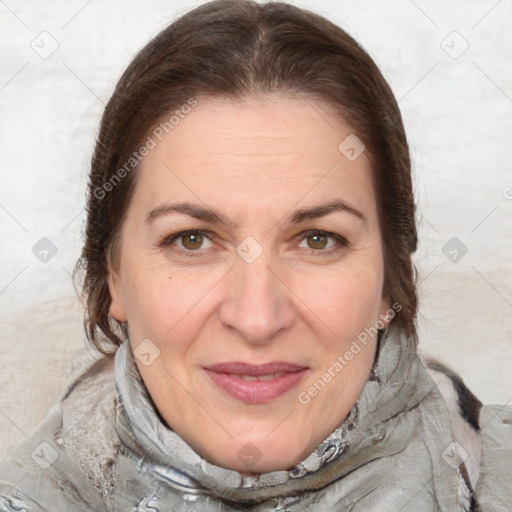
(273, 125)
(263, 147)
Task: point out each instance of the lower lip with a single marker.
(256, 391)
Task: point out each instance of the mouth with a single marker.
(256, 383)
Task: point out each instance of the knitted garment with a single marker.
(104, 447)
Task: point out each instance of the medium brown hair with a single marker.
(235, 48)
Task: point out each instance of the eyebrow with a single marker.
(322, 210)
(215, 217)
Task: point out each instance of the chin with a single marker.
(255, 462)
(255, 456)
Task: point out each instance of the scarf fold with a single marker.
(399, 422)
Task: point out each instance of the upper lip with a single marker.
(255, 370)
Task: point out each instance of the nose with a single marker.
(258, 304)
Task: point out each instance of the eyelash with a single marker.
(341, 242)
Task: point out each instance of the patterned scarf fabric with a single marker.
(392, 453)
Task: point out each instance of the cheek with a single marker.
(344, 303)
(163, 304)
(146, 291)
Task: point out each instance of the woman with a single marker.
(247, 263)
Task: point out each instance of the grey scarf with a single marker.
(105, 448)
(390, 454)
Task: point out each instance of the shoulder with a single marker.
(494, 487)
(88, 434)
(464, 408)
(37, 470)
(484, 437)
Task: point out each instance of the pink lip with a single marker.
(226, 376)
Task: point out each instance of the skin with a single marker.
(256, 162)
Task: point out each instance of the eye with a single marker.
(189, 241)
(195, 242)
(322, 241)
(192, 241)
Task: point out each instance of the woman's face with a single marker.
(250, 261)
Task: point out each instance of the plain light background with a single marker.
(448, 63)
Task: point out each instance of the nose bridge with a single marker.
(257, 304)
